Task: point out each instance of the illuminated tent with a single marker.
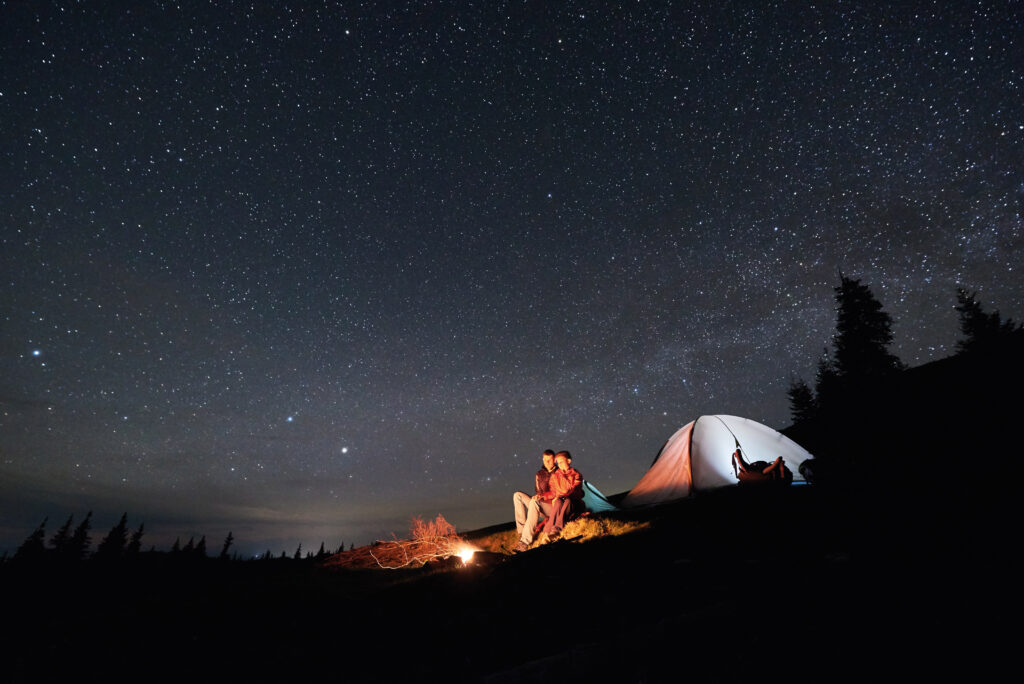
(594, 500)
(699, 456)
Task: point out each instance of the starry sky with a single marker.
(302, 270)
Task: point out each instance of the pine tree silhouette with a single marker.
(826, 380)
(190, 547)
(176, 547)
(62, 538)
(113, 545)
(322, 552)
(982, 331)
(200, 550)
(860, 360)
(298, 553)
(863, 335)
(802, 404)
(78, 548)
(33, 548)
(135, 545)
(228, 541)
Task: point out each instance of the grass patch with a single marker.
(584, 528)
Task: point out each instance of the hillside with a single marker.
(754, 579)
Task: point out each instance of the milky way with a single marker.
(301, 271)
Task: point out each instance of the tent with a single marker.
(594, 500)
(699, 456)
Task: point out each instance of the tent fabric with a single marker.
(699, 456)
(594, 500)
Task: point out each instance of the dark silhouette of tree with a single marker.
(284, 555)
(78, 548)
(135, 545)
(200, 550)
(803, 405)
(863, 335)
(33, 548)
(322, 553)
(228, 541)
(113, 545)
(189, 547)
(298, 553)
(62, 539)
(982, 331)
(176, 547)
(860, 358)
(826, 380)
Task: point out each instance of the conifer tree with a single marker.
(826, 379)
(322, 552)
(982, 331)
(33, 547)
(113, 545)
(298, 553)
(176, 547)
(80, 540)
(228, 541)
(189, 547)
(135, 545)
(200, 550)
(863, 335)
(802, 404)
(62, 538)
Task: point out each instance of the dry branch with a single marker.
(431, 540)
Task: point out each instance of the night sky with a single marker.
(301, 270)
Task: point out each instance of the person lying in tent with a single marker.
(760, 471)
(567, 488)
(529, 510)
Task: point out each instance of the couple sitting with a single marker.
(559, 498)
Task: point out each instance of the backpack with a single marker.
(755, 473)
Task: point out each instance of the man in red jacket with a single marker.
(567, 489)
(530, 509)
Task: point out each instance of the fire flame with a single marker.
(466, 554)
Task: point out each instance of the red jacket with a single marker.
(568, 484)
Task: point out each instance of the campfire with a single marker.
(430, 541)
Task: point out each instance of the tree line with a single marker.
(73, 543)
(859, 357)
(858, 379)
